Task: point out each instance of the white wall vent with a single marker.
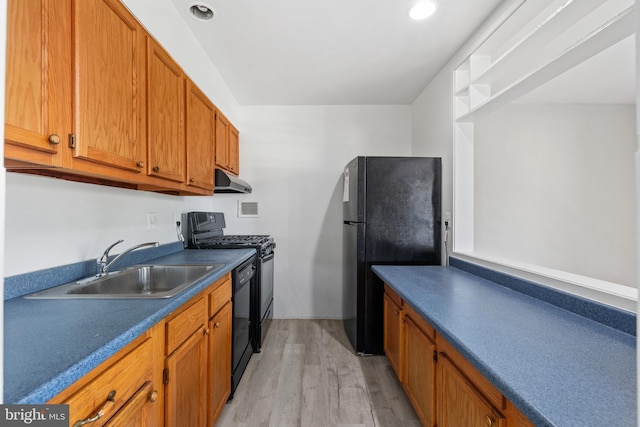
(247, 209)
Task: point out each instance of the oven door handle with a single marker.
(267, 257)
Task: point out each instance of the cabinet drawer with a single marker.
(220, 296)
(393, 295)
(185, 323)
(125, 378)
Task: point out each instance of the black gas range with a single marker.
(205, 230)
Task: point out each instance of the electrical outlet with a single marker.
(152, 221)
(447, 218)
(177, 218)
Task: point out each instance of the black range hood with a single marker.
(226, 183)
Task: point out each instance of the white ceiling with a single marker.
(331, 52)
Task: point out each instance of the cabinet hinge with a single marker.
(72, 140)
(165, 376)
(435, 356)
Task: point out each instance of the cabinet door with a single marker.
(165, 114)
(234, 150)
(186, 383)
(200, 124)
(461, 404)
(109, 85)
(38, 80)
(138, 411)
(219, 361)
(393, 335)
(222, 141)
(419, 378)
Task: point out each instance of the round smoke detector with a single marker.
(202, 12)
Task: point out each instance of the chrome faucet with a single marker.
(103, 261)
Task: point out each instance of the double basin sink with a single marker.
(139, 281)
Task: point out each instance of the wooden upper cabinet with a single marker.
(165, 114)
(38, 81)
(200, 131)
(234, 150)
(222, 141)
(227, 145)
(109, 85)
(91, 96)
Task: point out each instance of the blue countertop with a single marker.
(557, 367)
(49, 344)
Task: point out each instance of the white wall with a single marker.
(293, 156)
(51, 222)
(432, 139)
(554, 186)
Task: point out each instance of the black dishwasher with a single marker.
(243, 278)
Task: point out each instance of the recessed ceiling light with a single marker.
(422, 10)
(202, 12)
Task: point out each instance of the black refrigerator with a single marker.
(391, 216)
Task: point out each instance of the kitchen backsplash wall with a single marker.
(51, 222)
(293, 157)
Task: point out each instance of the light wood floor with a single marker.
(308, 375)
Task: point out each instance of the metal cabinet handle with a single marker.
(488, 421)
(54, 139)
(191, 180)
(156, 168)
(140, 165)
(153, 396)
(206, 331)
(109, 402)
(216, 325)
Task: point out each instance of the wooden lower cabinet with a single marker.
(137, 412)
(219, 361)
(186, 382)
(420, 371)
(393, 332)
(176, 374)
(125, 390)
(443, 387)
(460, 403)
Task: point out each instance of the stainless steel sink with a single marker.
(140, 281)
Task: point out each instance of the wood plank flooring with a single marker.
(308, 375)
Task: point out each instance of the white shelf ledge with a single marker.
(615, 30)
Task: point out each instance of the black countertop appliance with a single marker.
(392, 209)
